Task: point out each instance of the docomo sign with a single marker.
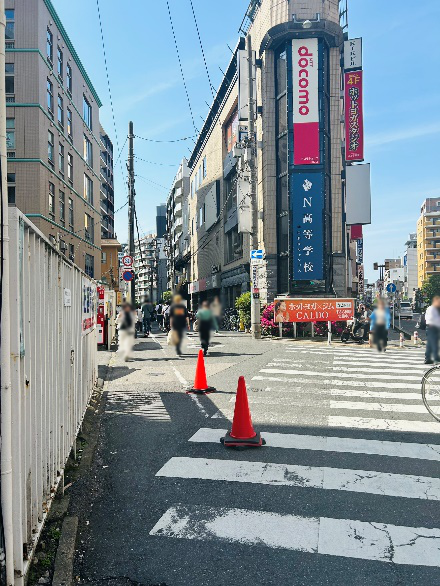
(311, 310)
(305, 102)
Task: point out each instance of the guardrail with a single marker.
(53, 372)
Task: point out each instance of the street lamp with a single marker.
(307, 24)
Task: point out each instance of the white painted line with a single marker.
(382, 483)
(384, 424)
(199, 405)
(342, 374)
(343, 383)
(398, 370)
(347, 538)
(375, 394)
(387, 407)
(332, 444)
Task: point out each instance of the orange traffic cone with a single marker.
(242, 433)
(200, 383)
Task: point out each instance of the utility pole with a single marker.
(130, 167)
(255, 297)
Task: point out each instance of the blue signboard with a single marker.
(307, 200)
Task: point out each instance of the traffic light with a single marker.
(376, 266)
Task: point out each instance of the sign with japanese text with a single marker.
(360, 251)
(361, 283)
(353, 54)
(101, 315)
(307, 200)
(89, 306)
(305, 102)
(311, 310)
(354, 122)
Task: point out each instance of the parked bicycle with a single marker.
(431, 391)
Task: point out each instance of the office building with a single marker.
(53, 132)
(145, 268)
(107, 190)
(428, 240)
(161, 220)
(410, 266)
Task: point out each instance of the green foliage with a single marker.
(243, 304)
(431, 287)
(167, 297)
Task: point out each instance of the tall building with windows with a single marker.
(428, 240)
(53, 131)
(145, 268)
(107, 191)
(300, 162)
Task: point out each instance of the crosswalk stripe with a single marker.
(325, 536)
(147, 405)
(359, 367)
(362, 356)
(332, 444)
(340, 374)
(383, 407)
(375, 394)
(356, 383)
(365, 481)
(383, 424)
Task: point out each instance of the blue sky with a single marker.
(401, 96)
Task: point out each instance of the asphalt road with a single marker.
(345, 492)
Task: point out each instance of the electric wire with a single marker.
(153, 182)
(181, 68)
(166, 141)
(211, 87)
(155, 163)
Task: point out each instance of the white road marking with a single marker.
(419, 370)
(342, 374)
(387, 407)
(144, 404)
(365, 481)
(375, 394)
(384, 424)
(332, 444)
(343, 383)
(348, 538)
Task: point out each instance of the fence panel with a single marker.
(54, 370)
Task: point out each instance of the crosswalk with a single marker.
(148, 405)
(364, 434)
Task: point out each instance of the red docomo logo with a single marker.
(304, 63)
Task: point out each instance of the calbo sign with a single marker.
(305, 102)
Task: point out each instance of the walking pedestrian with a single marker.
(216, 308)
(179, 321)
(147, 310)
(380, 322)
(139, 320)
(125, 322)
(205, 321)
(159, 315)
(432, 318)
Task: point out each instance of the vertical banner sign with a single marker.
(101, 315)
(89, 307)
(360, 251)
(305, 102)
(353, 54)
(361, 287)
(354, 123)
(308, 226)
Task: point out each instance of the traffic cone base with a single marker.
(200, 383)
(242, 433)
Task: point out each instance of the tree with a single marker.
(431, 287)
(243, 304)
(167, 297)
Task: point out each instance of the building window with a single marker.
(89, 268)
(50, 148)
(69, 124)
(87, 112)
(10, 25)
(70, 167)
(60, 111)
(88, 189)
(233, 245)
(52, 200)
(69, 78)
(10, 133)
(88, 228)
(192, 188)
(50, 96)
(71, 224)
(71, 252)
(62, 201)
(103, 257)
(230, 186)
(88, 153)
(61, 158)
(231, 131)
(204, 167)
(60, 63)
(49, 46)
(9, 78)
(11, 188)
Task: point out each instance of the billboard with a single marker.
(354, 118)
(358, 194)
(307, 200)
(353, 54)
(243, 84)
(310, 310)
(305, 102)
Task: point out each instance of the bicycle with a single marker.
(431, 391)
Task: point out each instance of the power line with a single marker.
(181, 68)
(166, 141)
(122, 148)
(211, 87)
(153, 182)
(155, 163)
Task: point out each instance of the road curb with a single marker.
(63, 569)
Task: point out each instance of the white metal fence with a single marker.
(54, 370)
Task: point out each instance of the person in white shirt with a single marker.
(432, 317)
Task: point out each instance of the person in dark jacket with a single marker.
(380, 322)
(179, 321)
(205, 321)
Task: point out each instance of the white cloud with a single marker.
(383, 138)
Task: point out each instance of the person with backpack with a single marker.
(126, 323)
(432, 324)
(204, 318)
(147, 311)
